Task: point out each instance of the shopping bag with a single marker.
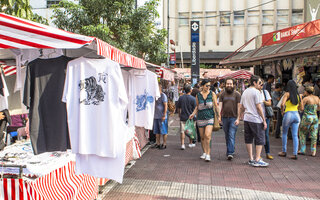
(190, 130)
(164, 127)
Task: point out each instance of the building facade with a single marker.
(225, 25)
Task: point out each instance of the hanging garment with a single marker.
(144, 90)
(42, 95)
(96, 100)
(4, 94)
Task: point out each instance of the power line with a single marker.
(225, 14)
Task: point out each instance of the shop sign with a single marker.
(286, 34)
(172, 59)
(195, 49)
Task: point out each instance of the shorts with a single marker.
(183, 125)
(160, 127)
(254, 131)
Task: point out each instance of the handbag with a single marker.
(269, 109)
(216, 125)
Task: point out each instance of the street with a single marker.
(180, 174)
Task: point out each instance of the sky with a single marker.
(159, 21)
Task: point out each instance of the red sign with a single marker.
(172, 57)
(284, 35)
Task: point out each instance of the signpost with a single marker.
(195, 60)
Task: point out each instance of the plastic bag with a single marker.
(190, 129)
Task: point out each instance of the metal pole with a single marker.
(168, 19)
(181, 55)
(136, 4)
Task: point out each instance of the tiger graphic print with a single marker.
(94, 91)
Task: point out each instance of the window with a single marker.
(238, 18)
(267, 17)
(197, 16)
(211, 19)
(283, 17)
(225, 18)
(253, 17)
(297, 17)
(52, 2)
(183, 19)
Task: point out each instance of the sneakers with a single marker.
(203, 156)
(230, 157)
(251, 162)
(192, 145)
(207, 159)
(183, 147)
(260, 163)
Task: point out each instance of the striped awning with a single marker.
(17, 33)
(240, 74)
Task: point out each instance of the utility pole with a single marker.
(168, 19)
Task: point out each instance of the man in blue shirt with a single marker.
(186, 105)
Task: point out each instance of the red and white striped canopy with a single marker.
(240, 74)
(17, 33)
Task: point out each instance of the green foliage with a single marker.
(118, 23)
(22, 9)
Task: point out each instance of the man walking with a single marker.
(230, 113)
(254, 121)
(186, 105)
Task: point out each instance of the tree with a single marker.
(22, 9)
(118, 23)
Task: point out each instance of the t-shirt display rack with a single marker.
(22, 35)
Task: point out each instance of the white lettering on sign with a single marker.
(292, 32)
(194, 53)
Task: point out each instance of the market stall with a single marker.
(24, 42)
(288, 53)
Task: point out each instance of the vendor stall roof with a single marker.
(16, 33)
(212, 73)
(305, 39)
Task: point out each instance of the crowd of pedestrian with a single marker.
(260, 106)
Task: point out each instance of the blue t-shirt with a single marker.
(159, 107)
(187, 104)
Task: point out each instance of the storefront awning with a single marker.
(300, 39)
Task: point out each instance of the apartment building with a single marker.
(225, 25)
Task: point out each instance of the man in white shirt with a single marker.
(254, 121)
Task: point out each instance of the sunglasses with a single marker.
(207, 85)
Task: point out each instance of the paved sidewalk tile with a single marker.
(181, 174)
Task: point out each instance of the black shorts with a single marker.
(254, 131)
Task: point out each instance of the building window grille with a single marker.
(238, 18)
(211, 19)
(183, 19)
(297, 17)
(283, 17)
(267, 17)
(253, 17)
(224, 18)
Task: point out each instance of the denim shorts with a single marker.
(254, 131)
(160, 127)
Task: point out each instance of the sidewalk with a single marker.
(176, 174)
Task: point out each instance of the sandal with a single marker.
(294, 157)
(282, 154)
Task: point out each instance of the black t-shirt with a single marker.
(187, 104)
(47, 113)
